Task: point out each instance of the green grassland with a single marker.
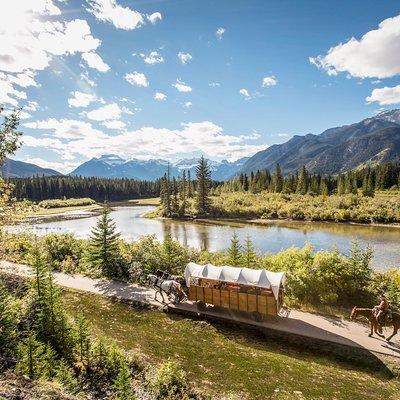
(221, 360)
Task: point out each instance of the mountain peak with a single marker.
(390, 115)
(111, 159)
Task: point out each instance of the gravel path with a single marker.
(331, 329)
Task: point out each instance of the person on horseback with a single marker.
(383, 312)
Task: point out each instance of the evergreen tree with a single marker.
(235, 251)
(35, 359)
(341, 185)
(203, 174)
(165, 196)
(40, 271)
(123, 383)
(302, 183)
(183, 194)
(8, 322)
(367, 185)
(175, 199)
(324, 187)
(190, 185)
(103, 246)
(278, 180)
(249, 256)
(65, 375)
(83, 339)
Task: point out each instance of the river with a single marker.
(271, 237)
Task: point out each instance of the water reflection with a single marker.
(269, 237)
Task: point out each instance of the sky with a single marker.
(172, 79)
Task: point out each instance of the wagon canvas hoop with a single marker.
(261, 278)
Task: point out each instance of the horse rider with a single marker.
(383, 311)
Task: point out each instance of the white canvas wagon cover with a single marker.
(246, 276)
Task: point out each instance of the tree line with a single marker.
(176, 193)
(39, 188)
(369, 179)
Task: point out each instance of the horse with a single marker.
(170, 287)
(373, 323)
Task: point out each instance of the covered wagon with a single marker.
(256, 291)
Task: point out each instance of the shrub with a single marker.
(57, 203)
(169, 381)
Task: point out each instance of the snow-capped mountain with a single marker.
(113, 166)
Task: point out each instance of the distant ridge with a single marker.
(372, 141)
(20, 169)
(113, 166)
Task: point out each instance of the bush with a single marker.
(57, 203)
(169, 382)
(64, 251)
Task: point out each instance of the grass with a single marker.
(45, 212)
(150, 201)
(219, 359)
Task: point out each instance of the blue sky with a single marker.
(173, 79)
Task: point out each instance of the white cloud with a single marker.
(375, 55)
(24, 79)
(28, 40)
(108, 112)
(385, 96)
(63, 129)
(214, 84)
(32, 106)
(160, 96)
(81, 99)
(85, 77)
(152, 58)
(181, 86)
(184, 57)
(188, 104)
(121, 17)
(244, 92)
(8, 94)
(148, 142)
(153, 18)
(60, 167)
(219, 32)
(93, 60)
(269, 81)
(119, 125)
(137, 79)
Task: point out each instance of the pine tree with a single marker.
(183, 194)
(65, 375)
(324, 187)
(175, 199)
(83, 339)
(278, 180)
(302, 183)
(234, 251)
(40, 271)
(341, 185)
(8, 321)
(249, 256)
(123, 383)
(367, 185)
(103, 246)
(190, 185)
(203, 174)
(165, 196)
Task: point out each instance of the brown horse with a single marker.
(373, 323)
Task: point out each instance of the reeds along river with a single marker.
(215, 235)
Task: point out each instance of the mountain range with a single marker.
(19, 169)
(372, 141)
(113, 166)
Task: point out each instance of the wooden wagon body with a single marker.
(241, 289)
